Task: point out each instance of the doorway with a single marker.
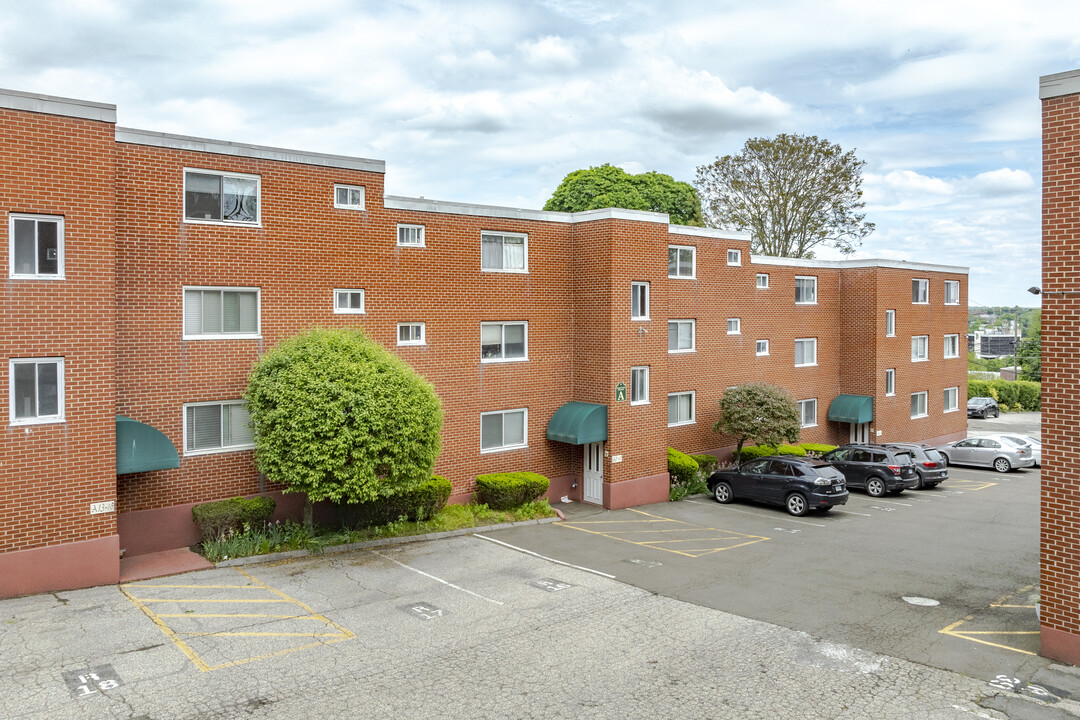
(593, 474)
(860, 432)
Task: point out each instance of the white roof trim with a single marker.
(871, 262)
(1059, 84)
(262, 152)
(397, 202)
(718, 233)
(51, 105)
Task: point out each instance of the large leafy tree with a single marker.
(609, 186)
(791, 192)
(760, 412)
(1031, 350)
(340, 418)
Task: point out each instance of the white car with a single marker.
(1029, 442)
(987, 451)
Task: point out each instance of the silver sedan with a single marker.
(987, 451)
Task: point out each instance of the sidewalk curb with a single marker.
(382, 542)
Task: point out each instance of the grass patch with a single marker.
(289, 535)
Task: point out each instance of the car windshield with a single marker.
(904, 458)
(933, 455)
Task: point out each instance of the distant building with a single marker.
(995, 346)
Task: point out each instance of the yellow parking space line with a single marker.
(977, 635)
(620, 522)
(206, 600)
(177, 637)
(238, 615)
(1012, 606)
(712, 535)
(972, 485)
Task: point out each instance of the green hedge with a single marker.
(422, 502)
(220, 518)
(755, 451)
(706, 463)
(1009, 394)
(681, 467)
(502, 491)
(1030, 394)
(816, 449)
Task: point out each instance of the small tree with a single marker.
(791, 192)
(338, 417)
(760, 412)
(609, 186)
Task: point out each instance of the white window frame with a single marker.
(890, 382)
(504, 448)
(925, 413)
(813, 284)
(635, 287)
(350, 205)
(735, 329)
(918, 355)
(223, 335)
(762, 281)
(803, 405)
(693, 408)
(524, 269)
(954, 340)
(59, 416)
(761, 348)
(338, 310)
(945, 404)
(813, 344)
(213, 450)
(644, 369)
(502, 341)
(734, 257)
(693, 262)
(420, 233)
(952, 290)
(923, 291)
(223, 174)
(36, 219)
(693, 337)
(890, 323)
(423, 333)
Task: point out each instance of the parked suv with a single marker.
(876, 468)
(929, 465)
(983, 407)
(796, 483)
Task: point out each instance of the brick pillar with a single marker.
(1060, 512)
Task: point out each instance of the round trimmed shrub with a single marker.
(681, 467)
(756, 451)
(340, 418)
(502, 491)
(217, 519)
(420, 502)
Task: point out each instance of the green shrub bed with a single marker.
(226, 517)
(502, 491)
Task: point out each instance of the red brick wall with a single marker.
(51, 473)
(1059, 572)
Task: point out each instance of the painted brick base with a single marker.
(60, 567)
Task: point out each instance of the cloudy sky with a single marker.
(495, 102)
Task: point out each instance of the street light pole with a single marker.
(1016, 342)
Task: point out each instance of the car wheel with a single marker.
(944, 460)
(722, 493)
(1002, 465)
(997, 413)
(875, 487)
(796, 505)
(922, 481)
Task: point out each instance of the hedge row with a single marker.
(502, 491)
(220, 518)
(1010, 394)
(423, 501)
(681, 467)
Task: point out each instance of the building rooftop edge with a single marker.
(1059, 84)
(870, 262)
(398, 202)
(52, 105)
(262, 152)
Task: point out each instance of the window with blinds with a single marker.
(215, 313)
(216, 427)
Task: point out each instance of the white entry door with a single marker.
(860, 432)
(593, 480)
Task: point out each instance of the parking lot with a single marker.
(946, 576)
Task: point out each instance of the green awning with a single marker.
(140, 447)
(578, 423)
(852, 409)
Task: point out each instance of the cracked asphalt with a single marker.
(462, 628)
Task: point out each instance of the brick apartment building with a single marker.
(1059, 573)
(147, 272)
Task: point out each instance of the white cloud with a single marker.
(1003, 182)
(550, 52)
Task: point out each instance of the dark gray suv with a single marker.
(875, 468)
(929, 465)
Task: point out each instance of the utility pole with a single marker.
(1016, 342)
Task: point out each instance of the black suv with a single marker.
(929, 465)
(797, 483)
(876, 468)
(983, 407)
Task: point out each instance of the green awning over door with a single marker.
(578, 423)
(140, 447)
(852, 408)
